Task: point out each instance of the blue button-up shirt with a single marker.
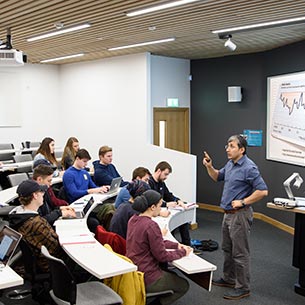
(241, 179)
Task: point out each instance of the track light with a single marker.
(229, 43)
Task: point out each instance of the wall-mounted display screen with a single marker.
(286, 118)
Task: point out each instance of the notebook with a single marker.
(83, 212)
(9, 240)
(115, 185)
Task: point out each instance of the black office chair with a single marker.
(154, 296)
(36, 282)
(65, 291)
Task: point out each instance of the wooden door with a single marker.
(176, 128)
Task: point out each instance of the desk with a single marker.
(298, 244)
(9, 278)
(79, 243)
(194, 267)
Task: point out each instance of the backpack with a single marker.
(204, 245)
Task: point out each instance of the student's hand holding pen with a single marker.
(187, 249)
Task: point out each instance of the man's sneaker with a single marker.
(236, 294)
(222, 283)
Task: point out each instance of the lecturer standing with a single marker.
(243, 186)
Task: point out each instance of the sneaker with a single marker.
(222, 283)
(236, 294)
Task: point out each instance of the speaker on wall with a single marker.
(234, 94)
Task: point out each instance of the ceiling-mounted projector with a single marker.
(10, 57)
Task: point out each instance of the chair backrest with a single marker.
(63, 283)
(58, 154)
(16, 179)
(24, 158)
(117, 242)
(34, 144)
(6, 156)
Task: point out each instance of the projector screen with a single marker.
(286, 118)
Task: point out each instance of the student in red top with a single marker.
(146, 248)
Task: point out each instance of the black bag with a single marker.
(208, 245)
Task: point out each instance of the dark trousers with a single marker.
(185, 234)
(169, 281)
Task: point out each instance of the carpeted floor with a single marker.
(272, 276)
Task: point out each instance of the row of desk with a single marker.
(80, 245)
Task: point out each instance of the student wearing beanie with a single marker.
(146, 248)
(123, 213)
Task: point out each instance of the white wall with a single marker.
(104, 102)
(37, 87)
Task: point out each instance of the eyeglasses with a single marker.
(228, 146)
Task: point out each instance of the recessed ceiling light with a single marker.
(158, 7)
(142, 44)
(63, 30)
(261, 25)
(62, 57)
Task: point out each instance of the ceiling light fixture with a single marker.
(63, 30)
(61, 58)
(229, 43)
(158, 7)
(142, 44)
(270, 24)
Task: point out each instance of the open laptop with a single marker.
(83, 212)
(9, 240)
(115, 185)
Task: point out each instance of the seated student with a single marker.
(156, 182)
(77, 181)
(70, 150)
(140, 173)
(121, 216)
(46, 152)
(52, 207)
(104, 170)
(34, 228)
(146, 248)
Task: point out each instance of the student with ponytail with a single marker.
(146, 248)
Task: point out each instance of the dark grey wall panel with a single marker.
(213, 119)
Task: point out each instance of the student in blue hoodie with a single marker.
(104, 170)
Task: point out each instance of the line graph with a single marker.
(292, 99)
(288, 122)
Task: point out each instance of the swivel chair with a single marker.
(65, 291)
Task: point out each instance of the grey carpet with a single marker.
(273, 277)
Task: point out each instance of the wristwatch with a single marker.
(243, 203)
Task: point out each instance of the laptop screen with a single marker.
(88, 205)
(9, 240)
(115, 184)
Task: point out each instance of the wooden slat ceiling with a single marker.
(190, 24)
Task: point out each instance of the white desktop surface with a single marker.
(192, 263)
(8, 195)
(79, 243)
(9, 278)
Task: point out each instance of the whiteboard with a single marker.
(10, 99)
(286, 118)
